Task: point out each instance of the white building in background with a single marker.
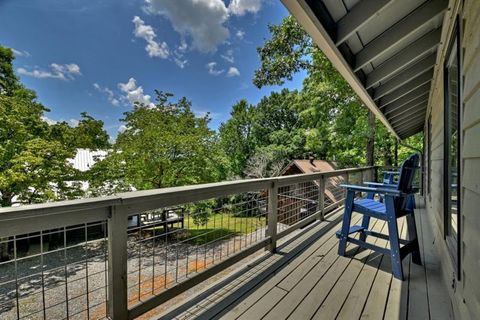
(85, 159)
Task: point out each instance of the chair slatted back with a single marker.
(407, 173)
(406, 177)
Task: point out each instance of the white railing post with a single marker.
(272, 216)
(117, 264)
(321, 198)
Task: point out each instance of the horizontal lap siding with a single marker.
(437, 145)
(467, 292)
(471, 159)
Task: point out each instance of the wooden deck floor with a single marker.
(306, 279)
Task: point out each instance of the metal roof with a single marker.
(85, 158)
(385, 49)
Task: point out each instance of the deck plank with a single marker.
(312, 293)
(439, 301)
(307, 278)
(336, 298)
(319, 249)
(397, 293)
(264, 305)
(418, 305)
(232, 292)
(379, 293)
(357, 298)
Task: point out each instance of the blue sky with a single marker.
(100, 56)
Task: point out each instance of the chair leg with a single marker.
(347, 216)
(397, 267)
(365, 223)
(412, 236)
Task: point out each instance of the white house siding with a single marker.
(466, 292)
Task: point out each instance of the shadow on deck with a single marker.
(306, 279)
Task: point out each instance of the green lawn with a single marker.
(221, 225)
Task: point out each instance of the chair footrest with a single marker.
(353, 229)
(357, 228)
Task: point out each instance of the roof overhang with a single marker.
(385, 49)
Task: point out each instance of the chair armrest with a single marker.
(384, 191)
(380, 184)
(391, 172)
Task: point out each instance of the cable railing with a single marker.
(121, 256)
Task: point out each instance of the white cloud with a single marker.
(57, 71)
(240, 34)
(48, 120)
(202, 20)
(211, 66)
(21, 53)
(228, 56)
(183, 46)
(134, 94)
(240, 7)
(179, 62)
(122, 128)
(73, 122)
(233, 72)
(154, 48)
(109, 93)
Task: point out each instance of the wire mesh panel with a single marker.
(356, 178)
(333, 192)
(167, 245)
(296, 202)
(55, 274)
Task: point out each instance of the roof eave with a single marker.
(314, 28)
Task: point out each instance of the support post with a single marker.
(117, 264)
(321, 198)
(272, 216)
(346, 178)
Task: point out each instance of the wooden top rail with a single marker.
(94, 209)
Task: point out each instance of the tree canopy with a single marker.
(163, 146)
(169, 145)
(33, 154)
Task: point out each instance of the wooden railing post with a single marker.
(346, 179)
(321, 198)
(117, 264)
(272, 215)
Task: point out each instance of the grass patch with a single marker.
(220, 226)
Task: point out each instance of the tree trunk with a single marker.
(6, 199)
(396, 153)
(370, 152)
(371, 139)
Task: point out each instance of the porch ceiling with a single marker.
(385, 49)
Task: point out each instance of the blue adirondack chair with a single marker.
(389, 182)
(397, 202)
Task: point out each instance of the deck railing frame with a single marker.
(116, 209)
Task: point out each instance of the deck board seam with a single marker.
(356, 278)
(391, 279)
(371, 284)
(367, 258)
(326, 271)
(296, 250)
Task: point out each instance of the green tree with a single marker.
(326, 101)
(163, 146)
(88, 134)
(236, 137)
(33, 155)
